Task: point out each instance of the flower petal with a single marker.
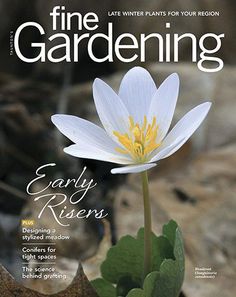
(92, 152)
(111, 110)
(163, 104)
(165, 150)
(136, 91)
(187, 126)
(133, 168)
(82, 131)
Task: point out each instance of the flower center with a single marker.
(140, 140)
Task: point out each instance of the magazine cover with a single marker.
(117, 148)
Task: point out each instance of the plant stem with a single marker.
(147, 225)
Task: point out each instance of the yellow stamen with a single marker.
(131, 122)
(140, 141)
(144, 124)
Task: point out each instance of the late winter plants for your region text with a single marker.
(135, 133)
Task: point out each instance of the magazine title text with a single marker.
(66, 46)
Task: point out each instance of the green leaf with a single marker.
(169, 231)
(124, 285)
(168, 281)
(104, 288)
(172, 272)
(126, 257)
(136, 293)
(123, 266)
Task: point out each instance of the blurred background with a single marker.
(196, 186)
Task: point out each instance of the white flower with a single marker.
(136, 123)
